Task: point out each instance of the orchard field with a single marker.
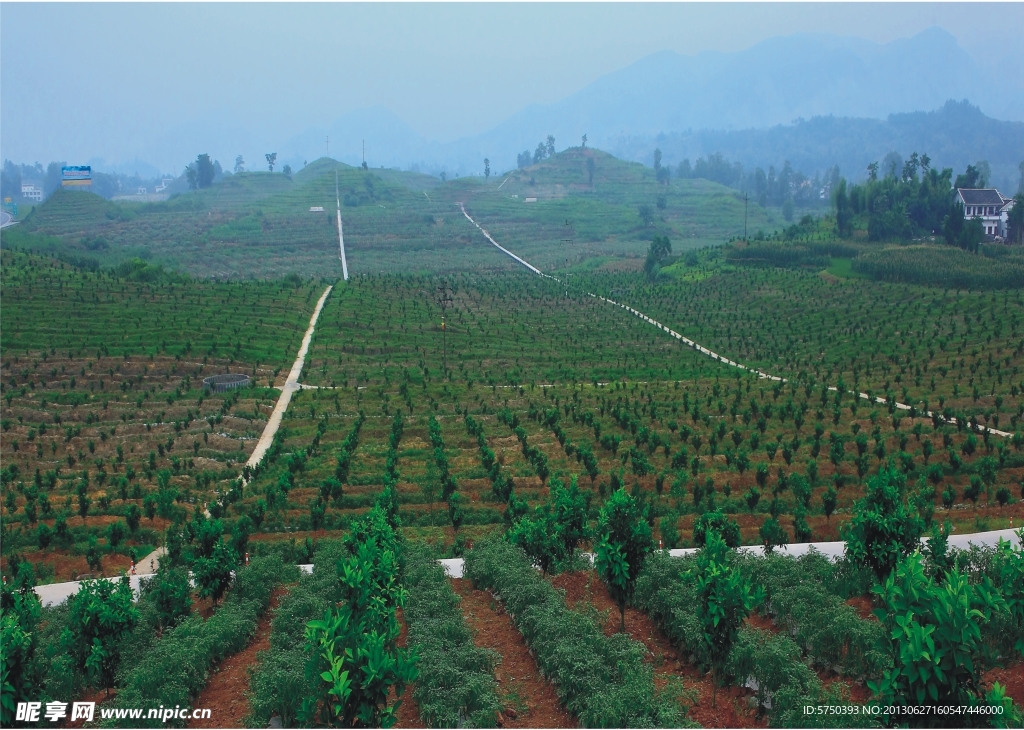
(105, 423)
(539, 427)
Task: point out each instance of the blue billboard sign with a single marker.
(74, 175)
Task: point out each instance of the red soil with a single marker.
(1011, 677)
(530, 700)
(408, 713)
(225, 692)
(732, 708)
(864, 606)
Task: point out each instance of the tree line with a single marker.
(913, 199)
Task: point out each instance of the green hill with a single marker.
(590, 207)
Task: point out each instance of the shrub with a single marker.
(456, 686)
(174, 669)
(602, 680)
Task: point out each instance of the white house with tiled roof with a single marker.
(989, 206)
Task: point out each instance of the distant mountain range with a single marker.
(853, 92)
(955, 135)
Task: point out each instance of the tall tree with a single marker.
(487, 167)
(550, 146)
(271, 159)
(239, 164)
(204, 171)
(585, 144)
(842, 207)
(1016, 220)
(970, 179)
(984, 173)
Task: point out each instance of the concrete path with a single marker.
(151, 563)
(832, 550)
(56, 593)
(291, 384)
(706, 351)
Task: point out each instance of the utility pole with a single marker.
(744, 217)
(444, 300)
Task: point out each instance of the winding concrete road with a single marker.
(291, 384)
(700, 348)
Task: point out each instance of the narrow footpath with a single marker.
(530, 700)
(228, 682)
(700, 348)
(291, 384)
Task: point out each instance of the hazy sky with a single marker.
(85, 80)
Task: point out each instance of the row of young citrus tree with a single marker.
(156, 650)
(944, 617)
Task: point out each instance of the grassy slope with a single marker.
(258, 224)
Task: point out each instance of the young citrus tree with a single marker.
(624, 540)
(556, 529)
(170, 592)
(936, 644)
(884, 527)
(726, 598)
(772, 535)
(213, 574)
(355, 655)
(102, 613)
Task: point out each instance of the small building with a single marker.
(31, 191)
(530, 200)
(164, 183)
(989, 206)
(316, 209)
(141, 191)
